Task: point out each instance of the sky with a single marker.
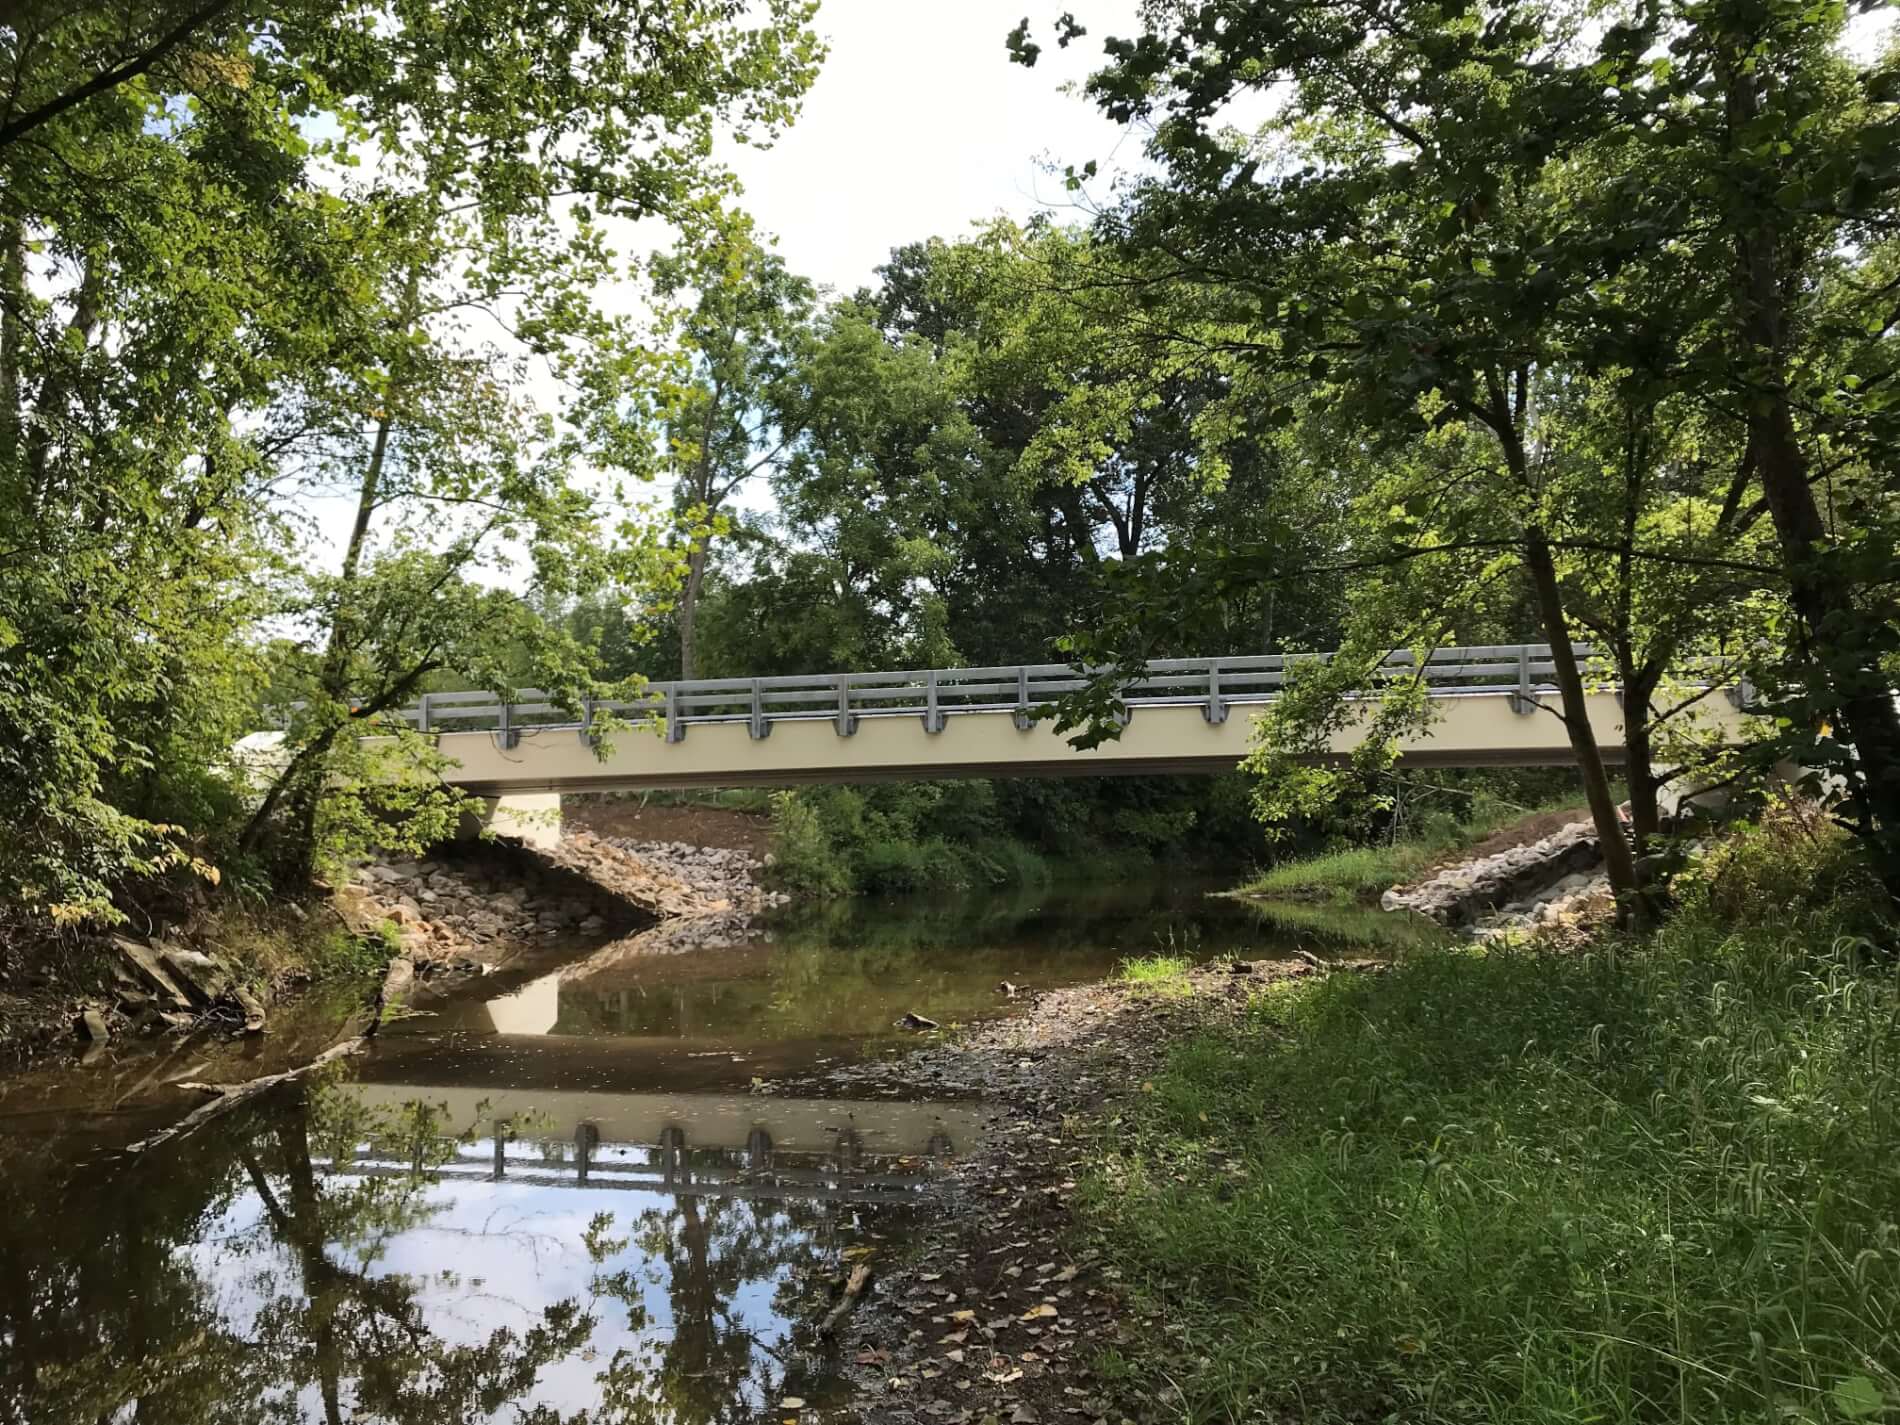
(919, 125)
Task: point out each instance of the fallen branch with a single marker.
(230, 1096)
(854, 1287)
(399, 978)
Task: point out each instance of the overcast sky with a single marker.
(919, 125)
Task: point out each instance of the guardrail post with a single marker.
(1522, 701)
(847, 721)
(587, 721)
(1216, 710)
(509, 733)
(422, 713)
(1740, 694)
(760, 728)
(675, 729)
(1023, 720)
(933, 715)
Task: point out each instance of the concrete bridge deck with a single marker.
(1495, 705)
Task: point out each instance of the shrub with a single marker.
(803, 858)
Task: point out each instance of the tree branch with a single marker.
(112, 78)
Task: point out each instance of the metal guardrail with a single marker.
(1523, 670)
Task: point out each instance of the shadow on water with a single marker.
(541, 1201)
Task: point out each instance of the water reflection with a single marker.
(842, 974)
(364, 1256)
(550, 1200)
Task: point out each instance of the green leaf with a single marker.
(1856, 1397)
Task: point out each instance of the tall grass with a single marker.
(1654, 1182)
(1361, 872)
(1160, 974)
(1353, 873)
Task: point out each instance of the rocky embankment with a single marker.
(472, 908)
(1551, 881)
(160, 985)
(464, 910)
(728, 873)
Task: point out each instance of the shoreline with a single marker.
(984, 1310)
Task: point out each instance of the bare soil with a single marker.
(997, 1310)
(695, 825)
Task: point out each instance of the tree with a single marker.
(155, 287)
(206, 297)
(497, 217)
(737, 335)
(1450, 207)
(1775, 158)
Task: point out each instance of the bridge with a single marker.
(683, 1145)
(1496, 706)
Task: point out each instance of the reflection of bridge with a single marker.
(692, 1145)
(1494, 705)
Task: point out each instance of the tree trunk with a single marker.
(1617, 859)
(1823, 603)
(689, 608)
(303, 779)
(13, 297)
(1825, 606)
(1639, 766)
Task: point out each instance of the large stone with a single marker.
(92, 1027)
(144, 962)
(204, 977)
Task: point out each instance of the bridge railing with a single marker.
(1524, 671)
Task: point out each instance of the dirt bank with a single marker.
(467, 909)
(991, 1314)
(628, 819)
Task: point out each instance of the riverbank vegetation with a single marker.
(1600, 350)
(1642, 1180)
(940, 836)
(1363, 868)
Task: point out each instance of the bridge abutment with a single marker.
(533, 818)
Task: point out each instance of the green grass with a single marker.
(1355, 873)
(1360, 873)
(1652, 1182)
(1164, 975)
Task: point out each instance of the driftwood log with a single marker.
(398, 978)
(230, 1096)
(854, 1288)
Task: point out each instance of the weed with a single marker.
(1654, 1181)
(1164, 975)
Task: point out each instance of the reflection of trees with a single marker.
(232, 1279)
(345, 1324)
(110, 1310)
(99, 1316)
(706, 1251)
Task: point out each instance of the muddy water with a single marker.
(546, 1197)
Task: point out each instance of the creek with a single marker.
(548, 1195)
